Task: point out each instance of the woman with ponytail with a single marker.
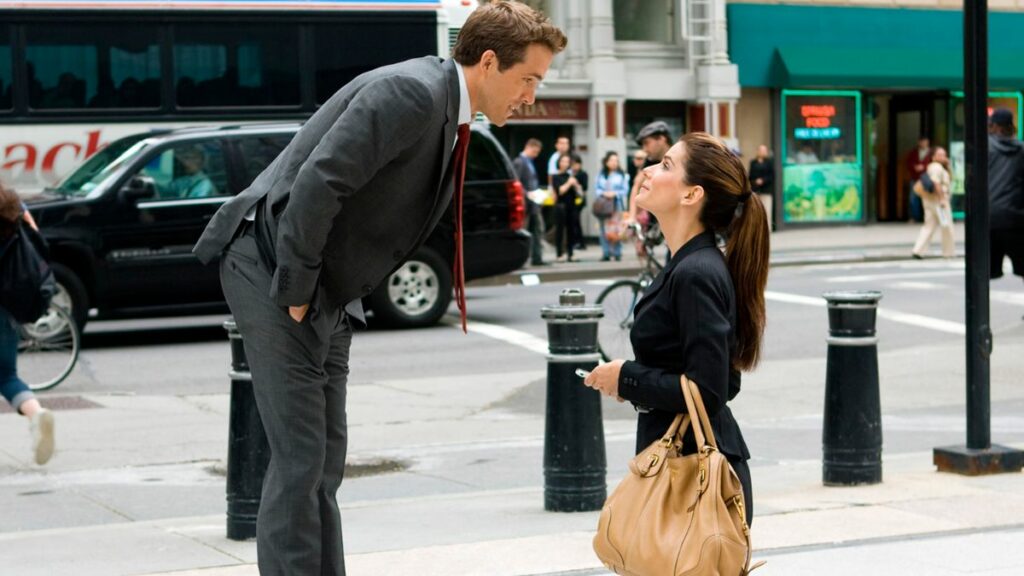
(704, 315)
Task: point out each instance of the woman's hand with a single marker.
(605, 378)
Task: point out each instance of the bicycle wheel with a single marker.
(618, 301)
(48, 349)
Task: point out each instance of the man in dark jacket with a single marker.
(526, 172)
(1005, 193)
(762, 179)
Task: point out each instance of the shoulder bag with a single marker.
(677, 515)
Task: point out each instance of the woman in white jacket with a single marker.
(938, 212)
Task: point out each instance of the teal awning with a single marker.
(834, 47)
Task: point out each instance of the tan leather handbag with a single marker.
(677, 515)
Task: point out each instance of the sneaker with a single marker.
(41, 427)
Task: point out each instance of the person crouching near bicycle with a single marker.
(13, 215)
(704, 315)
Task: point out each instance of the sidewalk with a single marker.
(467, 498)
(793, 247)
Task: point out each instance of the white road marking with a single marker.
(506, 335)
(1015, 298)
(896, 276)
(917, 286)
(601, 282)
(891, 315)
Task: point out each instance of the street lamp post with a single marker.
(979, 455)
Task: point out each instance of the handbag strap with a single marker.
(699, 420)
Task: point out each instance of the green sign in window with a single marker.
(822, 175)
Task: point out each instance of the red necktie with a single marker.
(459, 272)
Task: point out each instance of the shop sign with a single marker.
(564, 110)
(822, 172)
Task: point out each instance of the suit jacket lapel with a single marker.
(451, 124)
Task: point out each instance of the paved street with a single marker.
(461, 418)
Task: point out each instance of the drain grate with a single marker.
(58, 403)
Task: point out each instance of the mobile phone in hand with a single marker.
(582, 373)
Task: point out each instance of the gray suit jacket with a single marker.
(359, 188)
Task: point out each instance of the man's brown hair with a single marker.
(533, 142)
(508, 28)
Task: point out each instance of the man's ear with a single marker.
(489, 60)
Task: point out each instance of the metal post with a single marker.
(248, 451)
(852, 432)
(979, 456)
(574, 451)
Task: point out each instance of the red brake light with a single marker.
(516, 205)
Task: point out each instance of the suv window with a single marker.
(482, 164)
(257, 152)
(193, 170)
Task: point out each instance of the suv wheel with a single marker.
(415, 295)
(71, 294)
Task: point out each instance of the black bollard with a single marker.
(248, 451)
(574, 452)
(852, 433)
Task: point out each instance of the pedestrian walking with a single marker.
(703, 317)
(1005, 193)
(611, 192)
(351, 197)
(582, 185)
(762, 180)
(916, 162)
(14, 218)
(526, 172)
(566, 190)
(938, 212)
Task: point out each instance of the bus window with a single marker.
(251, 65)
(6, 70)
(368, 45)
(92, 66)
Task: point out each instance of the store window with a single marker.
(644, 20)
(1012, 101)
(822, 177)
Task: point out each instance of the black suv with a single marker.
(121, 227)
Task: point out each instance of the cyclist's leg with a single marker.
(13, 389)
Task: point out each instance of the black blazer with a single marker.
(684, 324)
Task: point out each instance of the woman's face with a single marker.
(563, 163)
(663, 190)
(613, 163)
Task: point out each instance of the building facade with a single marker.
(628, 63)
(842, 91)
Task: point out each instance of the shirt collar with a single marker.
(465, 107)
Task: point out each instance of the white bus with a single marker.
(78, 74)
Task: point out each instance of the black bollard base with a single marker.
(574, 490)
(971, 462)
(844, 473)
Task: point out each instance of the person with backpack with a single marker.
(15, 226)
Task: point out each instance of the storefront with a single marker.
(842, 95)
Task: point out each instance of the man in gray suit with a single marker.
(358, 189)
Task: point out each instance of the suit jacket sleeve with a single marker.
(701, 310)
(522, 172)
(380, 122)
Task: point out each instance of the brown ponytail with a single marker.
(732, 211)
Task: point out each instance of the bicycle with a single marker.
(48, 349)
(620, 298)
